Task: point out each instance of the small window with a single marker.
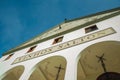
(31, 49)
(9, 56)
(91, 28)
(57, 40)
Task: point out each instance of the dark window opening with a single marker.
(91, 28)
(9, 56)
(57, 40)
(31, 49)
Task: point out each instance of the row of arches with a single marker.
(96, 62)
(52, 68)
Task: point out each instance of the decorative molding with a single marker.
(65, 45)
(80, 23)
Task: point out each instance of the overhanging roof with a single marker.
(42, 37)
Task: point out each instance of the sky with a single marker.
(21, 20)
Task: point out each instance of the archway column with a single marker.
(27, 73)
(71, 69)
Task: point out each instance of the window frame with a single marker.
(8, 57)
(91, 28)
(58, 40)
(31, 49)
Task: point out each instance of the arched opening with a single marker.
(100, 60)
(14, 73)
(52, 68)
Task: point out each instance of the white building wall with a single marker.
(71, 54)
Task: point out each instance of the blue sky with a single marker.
(21, 20)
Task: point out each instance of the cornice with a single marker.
(67, 31)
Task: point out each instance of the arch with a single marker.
(51, 68)
(97, 59)
(109, 76)
(14, 73)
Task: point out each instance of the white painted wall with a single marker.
(71, 54)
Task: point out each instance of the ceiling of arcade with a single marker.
(14, 73)
(99, 58)
(52, 68)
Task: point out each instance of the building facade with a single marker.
(86, 48)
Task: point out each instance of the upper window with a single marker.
(31, 49)
(9, 56)
(57, 40)
(91, 28)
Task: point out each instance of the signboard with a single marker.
(65, 45)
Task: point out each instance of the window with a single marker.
(57, 40)
(31, 49)
(91, 28)
(9, 56)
